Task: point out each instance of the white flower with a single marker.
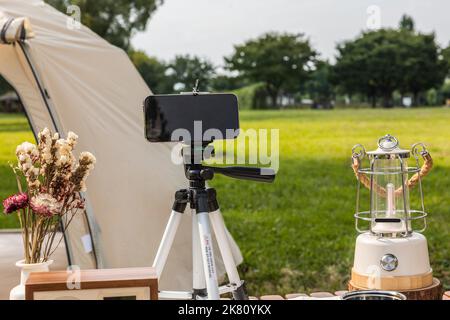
(24, 161)
(63, 146)
(56, 136)
(29, 147)
(35, 171)
(35, 184)
(88, 157)
(64, 154)
(72, 135)
(45, 143)
(60, 143)
(86, 163)
(26, 166)
(72, 138)
(46, 155)
(44, 133)
(35, 153)
(26, 147)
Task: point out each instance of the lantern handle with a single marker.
(411, 183)
(388, 137)
(426, 166)
(358, 151)
(364, 179)
(415, 150)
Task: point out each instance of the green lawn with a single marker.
(297, 234)
(14, 130)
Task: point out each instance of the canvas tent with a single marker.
(71, 79)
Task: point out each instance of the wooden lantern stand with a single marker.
(432, 292)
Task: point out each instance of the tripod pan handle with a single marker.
(247, 173)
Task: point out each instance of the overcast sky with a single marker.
(210, 28)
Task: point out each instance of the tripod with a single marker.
(205, 213)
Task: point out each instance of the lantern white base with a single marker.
(413, 265)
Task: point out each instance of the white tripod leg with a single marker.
(209, 265)
(227, 256)
(166, 242)
(224, 246)
(198, 275)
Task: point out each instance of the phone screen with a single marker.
(191, 118)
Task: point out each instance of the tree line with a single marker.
(378, 67)
(374, 68)
(378, 63)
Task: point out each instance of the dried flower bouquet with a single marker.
(53, 180)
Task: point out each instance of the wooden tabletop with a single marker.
(96, 275)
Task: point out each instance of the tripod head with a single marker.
(200, 172)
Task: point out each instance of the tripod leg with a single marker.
(198, 276)
(166, 242)
(209, 265)
(228, 260)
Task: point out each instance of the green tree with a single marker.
(184, 70)
(445, 90)
(406, 23)
(152, 71)
(114, 20)
(319, 87)
(423, 67)
(379, 62)
(227, 83)
(446, 57)
(370, 65)
(280, 61)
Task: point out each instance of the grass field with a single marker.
(14, 129)
(297, 234)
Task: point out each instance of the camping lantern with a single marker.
(390, 253)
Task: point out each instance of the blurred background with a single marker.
(329, 75)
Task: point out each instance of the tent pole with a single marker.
(57, 127)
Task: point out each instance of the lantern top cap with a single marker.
(388, 145)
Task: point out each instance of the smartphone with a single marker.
(191, 118)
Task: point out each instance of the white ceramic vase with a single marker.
(18, 292)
